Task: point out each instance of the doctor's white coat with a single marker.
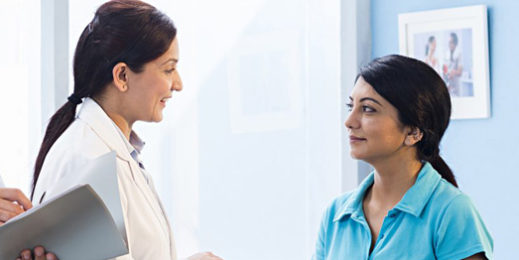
(91, 135)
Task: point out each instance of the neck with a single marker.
(112, 110)
(393, 177)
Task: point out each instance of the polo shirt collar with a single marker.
(353, 205)
(413, 202)
(418, 195)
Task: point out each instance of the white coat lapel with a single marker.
(94, 116)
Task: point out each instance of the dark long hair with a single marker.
(421, 98)
(128, 31)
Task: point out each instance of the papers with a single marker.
(101, 175)
(80, 218)
(75, 225)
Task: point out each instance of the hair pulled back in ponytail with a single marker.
(421, 98)
(128, 31)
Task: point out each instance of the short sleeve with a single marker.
(320, 245)
(461, 232)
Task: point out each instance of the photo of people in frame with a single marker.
(449, 52)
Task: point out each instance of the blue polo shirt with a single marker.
(434, 220)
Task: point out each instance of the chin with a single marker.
(157, 119)
(357, 155)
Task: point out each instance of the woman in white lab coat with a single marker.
(124, 71)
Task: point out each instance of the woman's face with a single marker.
(373, 125)
(150, 89)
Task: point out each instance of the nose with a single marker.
(177, 82)
(352, 121)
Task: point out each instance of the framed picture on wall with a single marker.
(454, 42)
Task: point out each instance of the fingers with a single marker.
(26, 254)
(51, 256)
(10, 206)
(39, 253)
(6, 215)
(15, 195)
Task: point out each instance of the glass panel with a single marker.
(20, 91)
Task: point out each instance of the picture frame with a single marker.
(454, 42)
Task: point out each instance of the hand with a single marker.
(204, 256)
(12, 203)
(39, 254)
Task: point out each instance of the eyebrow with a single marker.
(369, 99)
(172, 59)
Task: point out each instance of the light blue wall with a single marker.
(482, 153)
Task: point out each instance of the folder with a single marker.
(80, 217)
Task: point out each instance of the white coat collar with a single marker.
(95, 117)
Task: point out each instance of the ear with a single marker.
(414, 136)
(120, 76)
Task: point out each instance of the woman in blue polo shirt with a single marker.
(410, 206)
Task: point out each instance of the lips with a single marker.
(164, 100)
(356, 139)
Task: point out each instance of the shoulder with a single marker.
(459, 229)
(80, 139)
(449, 206)
(447, 197)
(453, 206)
(73, 149)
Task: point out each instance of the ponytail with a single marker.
(58, 123)
(108, 39)
(428, 150)
(443, 169)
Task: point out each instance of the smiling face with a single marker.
(149, 90)
(373, 124)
